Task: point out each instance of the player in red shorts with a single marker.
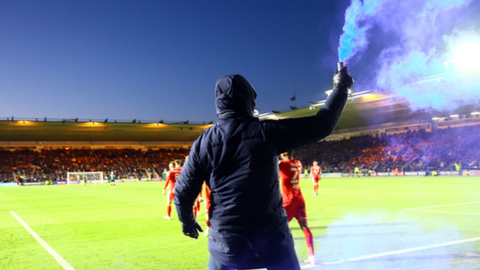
(207, 207)
(293, 202)
(169, 187)
(315, 175)
(197, 204)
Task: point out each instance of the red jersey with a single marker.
(207, 198)
(172, 177)
(290, 171)
(316, 170)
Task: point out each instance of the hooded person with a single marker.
(238, 159)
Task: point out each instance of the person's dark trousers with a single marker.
(290, 263)
(215, 265)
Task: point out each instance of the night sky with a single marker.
(152, 60)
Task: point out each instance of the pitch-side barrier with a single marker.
(417, 173)
(9, 184)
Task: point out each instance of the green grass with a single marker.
(123, 228)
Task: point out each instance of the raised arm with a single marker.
(293, 133)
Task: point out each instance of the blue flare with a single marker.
(354, 38)
(414, 48)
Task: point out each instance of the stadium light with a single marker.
(475, 113)
(454, 116)
(467, 56)
(436, 118)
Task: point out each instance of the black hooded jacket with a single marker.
(237, 157)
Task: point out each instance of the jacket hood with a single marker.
(234, 95)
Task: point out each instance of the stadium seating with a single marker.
(54, 164)
(411, 151)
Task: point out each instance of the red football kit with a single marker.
(170, 183)
(316, 172)
(292, 196)
(207, 204)
(293, 201)
(207, 198)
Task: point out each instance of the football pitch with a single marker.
(357, 223)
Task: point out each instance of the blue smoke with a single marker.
(416, 44)
(356, 236)
(354, 38)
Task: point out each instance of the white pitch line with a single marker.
(443, 205)
(50, 250)
(447, 212)
(404, 251)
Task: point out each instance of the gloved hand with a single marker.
(191, 229)
(342, 78)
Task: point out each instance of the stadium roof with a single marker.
(370, 109)
(363, 109)
(64, 131)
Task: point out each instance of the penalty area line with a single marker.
(50, 250)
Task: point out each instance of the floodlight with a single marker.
(436, 118)
(475, 113)
(454, 116)
(467, 57)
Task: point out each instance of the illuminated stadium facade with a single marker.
(365, 114)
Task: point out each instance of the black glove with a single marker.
(342, 79)
(191, 229)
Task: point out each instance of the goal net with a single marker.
(79, 177)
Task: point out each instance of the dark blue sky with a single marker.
(154, 60)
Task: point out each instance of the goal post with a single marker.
(79, 177)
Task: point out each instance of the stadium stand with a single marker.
(416, 150)
(32, 166)
(376, 132)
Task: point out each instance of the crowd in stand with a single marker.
(441, 150)
(445, 149)
(53, 165)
